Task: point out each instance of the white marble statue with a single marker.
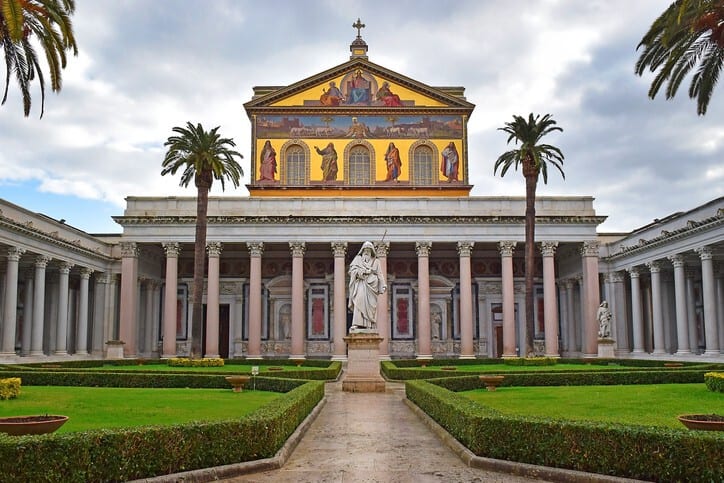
(604, 321)
(366, 281)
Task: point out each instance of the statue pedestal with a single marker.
(363, 363)
(605, 348)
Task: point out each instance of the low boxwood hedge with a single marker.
(122, 455)
(657, 454)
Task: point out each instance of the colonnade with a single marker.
(56, 321)
(657, 326)
(423, 249)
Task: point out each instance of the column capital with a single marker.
(85, 273)
(214, 248)
(382, 248)
(129, 249)
(590, 248)
(569, 283)
(634, 272)
(654, 266)
(297, 248)
(548, 248)
(65, 267)
(423, 248)
(704, 252)
(506, 248)
(172, 249)
(465, 248)
(677, 260)
(339, 248)
(255, 248)
(41, 261)
(14, 254)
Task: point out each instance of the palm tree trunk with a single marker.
(202, 201)
(531, 181)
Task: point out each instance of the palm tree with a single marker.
(688, 35)
(535, 158)
(203, 156)
(27, 22)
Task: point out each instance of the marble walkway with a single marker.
(372, 437)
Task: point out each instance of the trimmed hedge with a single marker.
(658, 375)
(10, 388)
(714, 381)
(122, 455)
(531, 361)
(657, 454)
(186, 362)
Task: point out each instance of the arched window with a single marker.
(358, 161)
(423, 166)
(295, 172)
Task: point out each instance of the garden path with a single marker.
(372, 437)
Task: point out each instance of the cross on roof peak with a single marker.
(359, 26)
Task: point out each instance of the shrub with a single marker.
(143, 452)
(657, 454)
(9, 388)
(714, 381)
(186, 362)
(531, 361)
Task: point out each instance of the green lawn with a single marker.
(99, 407)
(647, 405)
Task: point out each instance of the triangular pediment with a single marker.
(359, 84)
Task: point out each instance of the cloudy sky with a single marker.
(147, 66)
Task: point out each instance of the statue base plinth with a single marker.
(605, 348)
(363, 363)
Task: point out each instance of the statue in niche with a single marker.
(285, 322)
(435, 324)
(366, 282)
(604, 321)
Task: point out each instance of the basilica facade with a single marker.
(360, 153)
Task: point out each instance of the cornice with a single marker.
(691, 228)
(357, 220)
(54, 238)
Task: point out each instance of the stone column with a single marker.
(591, 299)
(637, 320)
(657, 311)
(27, 314)
(128, 330)
(256, 249)
(550, 303)
(617, 304)
(212, 301)
(61, 338)
(10, 312)
(297, 249)
(711, 330)
(467, 348)
(720, 302)
(36, 339)
(424, 350)
(506, 259)
(571, 315)
(147, 333)
(383, 317)
(691, 311)
(682, 324)
(170, 300)
(339, 250)
(82, 339)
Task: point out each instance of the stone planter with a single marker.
(21, 425)
(705, 422)
(491, 382)
(237, 382)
